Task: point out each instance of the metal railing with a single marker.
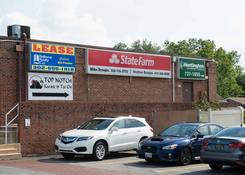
(8, 123)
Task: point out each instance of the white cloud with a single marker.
(108, 22)
(17, 17)
(62, 24)
(81, 29)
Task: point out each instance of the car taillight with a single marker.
(237, 145)
(205, 144)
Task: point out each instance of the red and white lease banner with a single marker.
(128, 64)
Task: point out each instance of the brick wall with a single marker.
(212, 88)
(93, 94)
(165, 118)
(100, 88)
(126, 89)
(48, 119)
(8, 77)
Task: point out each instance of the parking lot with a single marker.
(120, 163)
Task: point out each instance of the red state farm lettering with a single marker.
(52, 49)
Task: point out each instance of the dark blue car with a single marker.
(179, 143)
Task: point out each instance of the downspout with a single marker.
(19, 49)
(24, 36)
(22, 56)
(207, 79)
(173, 78)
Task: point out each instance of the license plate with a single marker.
(148, 155)
(219, 147)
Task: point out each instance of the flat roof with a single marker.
(84, 46)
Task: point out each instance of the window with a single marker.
(214, 129)
(96, 124)
(232, 132)
(204, 130)
(133, 123)
(119, 124)
(179, 130)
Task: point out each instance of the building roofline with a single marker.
(92, 47)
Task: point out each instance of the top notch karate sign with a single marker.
(44, 86)
(127, 64)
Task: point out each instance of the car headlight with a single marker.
(59, 137)
(84, 138)
(170, 147)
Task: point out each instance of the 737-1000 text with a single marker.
(194, 74)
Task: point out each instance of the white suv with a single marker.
(100, 136)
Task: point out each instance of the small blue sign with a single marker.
(52, 58)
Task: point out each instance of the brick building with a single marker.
(161, 101)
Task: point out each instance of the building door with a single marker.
(187, 92)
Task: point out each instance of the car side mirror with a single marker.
(113, 129)
(199, 136)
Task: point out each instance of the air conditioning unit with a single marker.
(16, 31)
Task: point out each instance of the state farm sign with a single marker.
(128, 64)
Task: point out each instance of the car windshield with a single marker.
(179, 130)
(232, 132)
(96, 124)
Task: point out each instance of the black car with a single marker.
(178, 143)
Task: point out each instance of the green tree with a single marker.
(241, 78)
(145, 46)
(190, 48)
(203, 104)
(229, 83)
(121, 46)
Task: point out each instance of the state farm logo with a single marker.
(131, 60)
(114, 59)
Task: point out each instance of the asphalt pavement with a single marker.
(115, 164)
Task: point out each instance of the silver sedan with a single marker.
(225, 148)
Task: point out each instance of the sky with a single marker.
(107, 22)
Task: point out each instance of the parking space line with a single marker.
(188, 167)
(121, 161)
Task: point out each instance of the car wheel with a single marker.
(185, 156)
(215, 166)
(68, 156)
(100, 150)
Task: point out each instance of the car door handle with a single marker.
(124, 133)
(139, 131)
